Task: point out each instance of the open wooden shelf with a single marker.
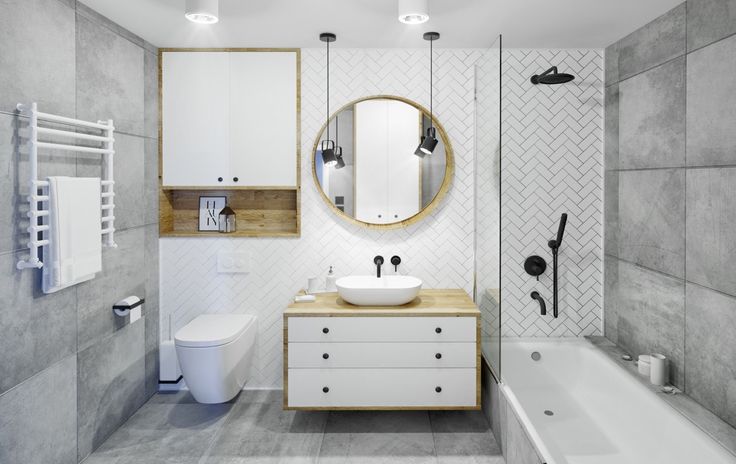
(259, 213)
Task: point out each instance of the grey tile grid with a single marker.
(254, 428)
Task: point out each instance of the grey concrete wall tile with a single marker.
(519, 449)
(152, 313)
(123, 275)
(109, 77)
(652, 118)
(151, 180)
(610, 212)
(611, 133)
(37, 55)
(36, 330)
(129, 173)
(38, 420)
(711, 371)
(651, 316)
(611, 64)
(651, 219)
(711, 221)
(657, 42)
(92, 15)
(711, 97)
(709, 20)
(610, 299)
(150, 94)
(111, 385)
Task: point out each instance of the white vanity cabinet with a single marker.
(424, 355)
(229, 118)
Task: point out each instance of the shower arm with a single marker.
(555, 246)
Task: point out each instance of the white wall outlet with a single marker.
(230, 262)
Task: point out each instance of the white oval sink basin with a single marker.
(391, 290)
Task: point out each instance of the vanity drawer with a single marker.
(378, 355)
(381, 388)
(382, 329)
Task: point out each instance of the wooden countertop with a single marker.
(435, 302)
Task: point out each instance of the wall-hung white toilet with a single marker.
(215, 353)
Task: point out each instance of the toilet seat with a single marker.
(209, 330)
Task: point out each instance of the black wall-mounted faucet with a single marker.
(378, 261)
(395, 260)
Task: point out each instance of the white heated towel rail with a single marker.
(39, 194)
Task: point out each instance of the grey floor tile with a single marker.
(711, 221)
(709, 20)
(475, 448)
(38, 419)
(651, 219)
(711, 92)
(161, 433)
(657, 42)
(375, 448)
(711, 371)
(264, 432)
(378, 422)
(458, 422)
(651, 115)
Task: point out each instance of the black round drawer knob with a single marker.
(325, 390)
(325, 330)
(219, 179)
(438, 356)
(325, 356)
(438, 389)
(235, 179)
(438, 330)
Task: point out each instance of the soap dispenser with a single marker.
(330, 282)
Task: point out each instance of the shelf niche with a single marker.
(259, 212)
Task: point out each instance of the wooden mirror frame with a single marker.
(446, 181)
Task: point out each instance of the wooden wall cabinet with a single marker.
(230, 126)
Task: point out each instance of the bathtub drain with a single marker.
(549, 413)
(536, 356)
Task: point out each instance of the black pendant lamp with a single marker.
(328, 146)
(429, 141)
(338, 149)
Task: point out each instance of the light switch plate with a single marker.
(229, 262)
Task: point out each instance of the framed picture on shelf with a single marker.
(209, 211)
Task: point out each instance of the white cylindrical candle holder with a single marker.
(658, 369)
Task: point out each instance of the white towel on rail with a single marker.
(74, 252)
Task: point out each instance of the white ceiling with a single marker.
(373, 23)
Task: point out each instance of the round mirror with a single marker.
(376, 162)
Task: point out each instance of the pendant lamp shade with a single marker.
(328, 146)
(429, 142)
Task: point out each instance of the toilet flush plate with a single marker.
(229, 262)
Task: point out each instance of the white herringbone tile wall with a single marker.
(439, 249)
(552, 157)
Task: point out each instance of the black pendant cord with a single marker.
(431, 84)
(328, 91)
(337, 133)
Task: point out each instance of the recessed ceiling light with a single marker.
(202, 11)
(413, 11)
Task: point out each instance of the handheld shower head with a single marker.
(551, 77)
(555, 244)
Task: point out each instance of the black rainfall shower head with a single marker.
(551, 77)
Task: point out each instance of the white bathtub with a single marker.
(601, 414)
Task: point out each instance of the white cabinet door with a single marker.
(263, 118)
(403, 172)
(371, 151)
(195, 94)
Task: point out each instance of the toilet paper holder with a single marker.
(122, 308)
